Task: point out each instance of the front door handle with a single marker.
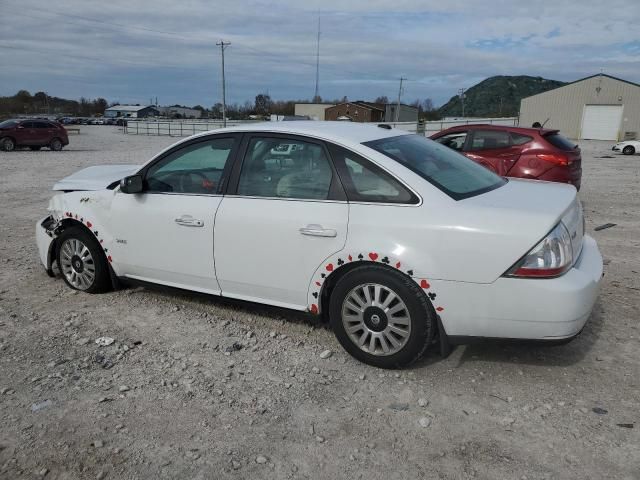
(318, 231)
(189, 221)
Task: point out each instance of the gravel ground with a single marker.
(173, 398)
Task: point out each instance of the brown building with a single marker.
(356, 112)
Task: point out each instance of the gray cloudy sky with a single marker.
(132, 50)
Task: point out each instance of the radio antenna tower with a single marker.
(316, 96)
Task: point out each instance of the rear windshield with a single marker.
(451, 172)
(560, 142)
(8, 124)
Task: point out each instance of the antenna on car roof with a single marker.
(382, 125)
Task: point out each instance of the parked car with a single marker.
(395, 239)
(34, 134)
(629, 147)
(533, 153)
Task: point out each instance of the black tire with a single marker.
(7, 144)
(34, 148)
(422, 316)
(56, 145)
(101, 281)
(628, 150)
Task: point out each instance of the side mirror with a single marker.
(131, 184)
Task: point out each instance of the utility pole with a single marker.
(402, 79)
(461, 93)
(315, 96)
(222, 44)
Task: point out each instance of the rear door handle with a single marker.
(318, 231)
(189, 221)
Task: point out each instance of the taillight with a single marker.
(554, 158)
(551, 257)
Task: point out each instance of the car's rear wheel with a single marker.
(82, 261)
(7, 144)
(381, 317)
(56, 145)
(34, 148)
(628, 150)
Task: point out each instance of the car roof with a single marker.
(487, 126)
(345, 132)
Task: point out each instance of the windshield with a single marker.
(451, 172)
(8, 124)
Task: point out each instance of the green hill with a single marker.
(497, 96)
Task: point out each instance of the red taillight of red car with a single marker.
(556, 158)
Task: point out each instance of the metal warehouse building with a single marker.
(600, 107)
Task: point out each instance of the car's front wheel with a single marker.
(82, 261)
(56, 145)
(381, 317)
(7, 144)
(628, 150)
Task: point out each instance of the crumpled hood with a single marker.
(95, 178)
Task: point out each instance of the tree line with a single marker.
(23, 103)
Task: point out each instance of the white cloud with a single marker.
(167, 48)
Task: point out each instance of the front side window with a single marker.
(453, 140)
(366, 182)
(449, 171)
(194, 169)
(490, 139)
(8, 124)
(285, 168)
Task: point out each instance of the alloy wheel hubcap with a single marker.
(77, 264)
(376, 319)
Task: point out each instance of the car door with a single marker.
(26, 133)
(285, 212)
(165, 233)
(492, 149)
(43, 133)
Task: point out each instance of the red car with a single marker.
(534, 153)
(34, 134)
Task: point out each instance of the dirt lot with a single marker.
(174, 403)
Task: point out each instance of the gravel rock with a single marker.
(424, 422)
(98, 443)
(326, 354)
(261, 459)
(423, 402)
(123, 388)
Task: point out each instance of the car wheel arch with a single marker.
(69, 221)
(337, 266)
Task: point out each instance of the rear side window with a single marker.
(285, 168)
(42, 125)
(520, 139)
(449, 171)
(366, 182)
(560, 142)
(490, 139)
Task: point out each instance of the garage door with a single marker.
(601, 122)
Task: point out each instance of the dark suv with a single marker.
(534, 153)
(34, 134)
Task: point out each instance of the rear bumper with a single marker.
(563, 175)
(532, 309)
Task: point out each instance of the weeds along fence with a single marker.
(185, 128)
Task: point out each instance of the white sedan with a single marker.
(398, 241)
(629, 147)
